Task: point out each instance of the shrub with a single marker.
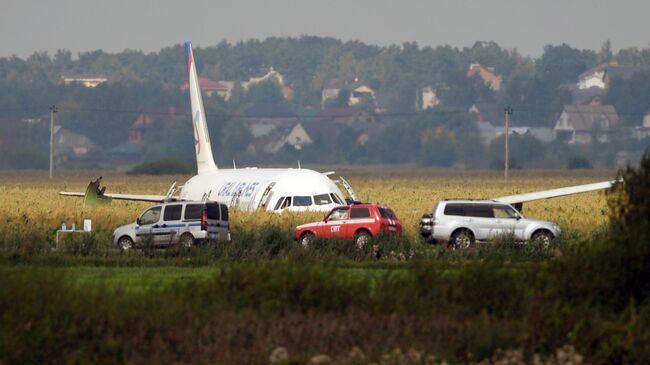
(161, 167)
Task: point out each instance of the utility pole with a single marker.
(507, 111)
(53, 111)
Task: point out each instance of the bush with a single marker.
(162, 167)
(579, 162)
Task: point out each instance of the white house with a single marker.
(580, 124)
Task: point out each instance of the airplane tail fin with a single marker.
(202, 145)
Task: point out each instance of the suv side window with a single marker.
(455, 209)
(503, 211)
(173, 212)
(151, 216)
(338, 214)
(193, 211)
(479, 211)
(359, 213)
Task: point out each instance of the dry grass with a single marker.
(31, 205)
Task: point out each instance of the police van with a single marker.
(176, 222)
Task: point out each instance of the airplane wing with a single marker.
(95, 195)
(554, 193)
(135, 197)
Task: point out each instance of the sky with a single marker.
(27, 26)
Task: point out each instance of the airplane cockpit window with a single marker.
(302, 201)
(337, 199)
(277, 205)
(322, 199)
(286, 203)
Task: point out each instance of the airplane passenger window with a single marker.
(322, 199)
(302, 201)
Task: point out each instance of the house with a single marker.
(211, 87)
(429, 98)
(330, 92)
(588, 96)
(385, 101)
(580, 124)
(145, 121)
(488, 74)
(70, 145)
(642, 131)
(601, 75)
(359, 93)
(306, 133)
(89, 81)
(344, 115)
(298, 137)
(488, 112)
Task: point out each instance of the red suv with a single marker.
(359, 221)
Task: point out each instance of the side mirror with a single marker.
(137, 221)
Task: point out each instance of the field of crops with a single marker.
(263, 298)
(31, 206)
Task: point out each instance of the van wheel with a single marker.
(186, 240)
(543, 237)
(307, 239)
(361, 239)
(125, 243)
(462, 238)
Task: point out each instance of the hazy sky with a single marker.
(114, 25)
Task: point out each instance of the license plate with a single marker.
(392, 228)
(212, 235)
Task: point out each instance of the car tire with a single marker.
(307, 239)
(361, 239)
(186, 240)
(125, 243)
(461, 239)
(543, 237)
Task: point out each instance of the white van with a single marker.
(177, 222)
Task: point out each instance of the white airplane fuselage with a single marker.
(252, 188)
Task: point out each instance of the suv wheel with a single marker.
(361, 239)
(543, 237)
(307, 239)
(461, 239)
(125, 243)
(186, 240)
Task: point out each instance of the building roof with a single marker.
(584, 96)
(613, 70)
(586, 117)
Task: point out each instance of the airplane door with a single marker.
(266, 198)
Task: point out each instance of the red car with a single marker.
(359, 222)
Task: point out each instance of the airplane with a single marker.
(271, 189)
(248, 189)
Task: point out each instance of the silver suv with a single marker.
(463, 222)
(177, 222)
